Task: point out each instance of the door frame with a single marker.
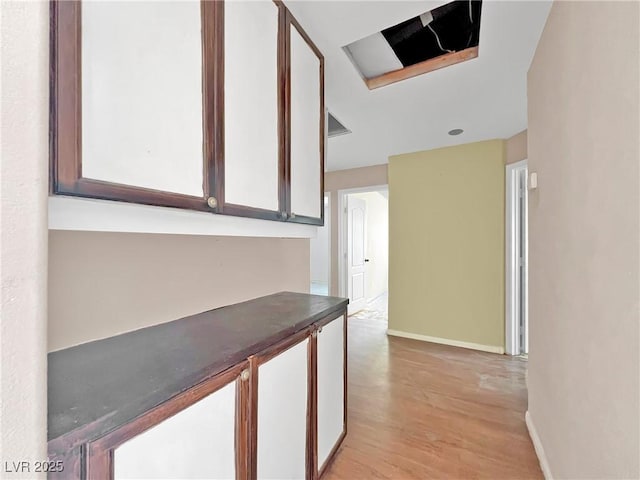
(512, 287)
(343, 231)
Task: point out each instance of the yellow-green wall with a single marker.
(446, 243)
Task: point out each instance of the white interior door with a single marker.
(356, 245)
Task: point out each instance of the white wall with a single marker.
(23, 253)
(377, 243)
(321, 249)
(584, 240)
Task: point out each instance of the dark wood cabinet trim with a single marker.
(283, 110)
(213, 100)
(292, 216)
(86, 187)
(282, 346)
(100, 451)
(65, 89)
(312, 407)
(73, 461)
(244, 425)
(253, 420)
(332, 455)
(99, 463)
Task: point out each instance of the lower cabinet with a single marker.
(197, 442)
(279, 414)
(331, 388)
(282, 415)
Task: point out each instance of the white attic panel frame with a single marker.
(373, 56)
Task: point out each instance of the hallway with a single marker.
(420, 410)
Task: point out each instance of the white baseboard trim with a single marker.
(446, 341)
(537, 445)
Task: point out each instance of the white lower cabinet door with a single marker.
(197, 442)
(282, 415)
(330, 387)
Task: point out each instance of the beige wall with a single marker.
(584, 240)
(24, 49)
(340, 180)
(516, 148)
(102, 284)
(446, 243)
(377, 231)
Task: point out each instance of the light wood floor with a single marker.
(419, 410)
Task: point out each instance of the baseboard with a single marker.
(537, 445)
(446, 341)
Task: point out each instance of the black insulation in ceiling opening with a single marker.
(449, 28)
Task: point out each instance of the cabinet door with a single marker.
(282, 415)
(251, 109)
(198, 442)
(306, 128)
(142, 95)
(331, 387)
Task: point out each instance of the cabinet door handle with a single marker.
(293, 215)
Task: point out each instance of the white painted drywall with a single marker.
(142, 94)
(320, 249)
(282, 415)
(305, 128)
(197, 442)
(584, 241)
(24, 48)
(330, 387)
(251, 104)
(85, 214)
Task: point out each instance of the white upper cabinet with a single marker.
(307, 127)
(209, 106)
(142, 94)
(251, 98)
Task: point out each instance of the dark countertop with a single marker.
(96, 387)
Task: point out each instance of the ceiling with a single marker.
(486, 96)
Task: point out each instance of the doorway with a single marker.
(320, 254)
(363, 256)
(516, 230)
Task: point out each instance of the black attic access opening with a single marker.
(438, 38)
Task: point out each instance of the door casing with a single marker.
(516, 260)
